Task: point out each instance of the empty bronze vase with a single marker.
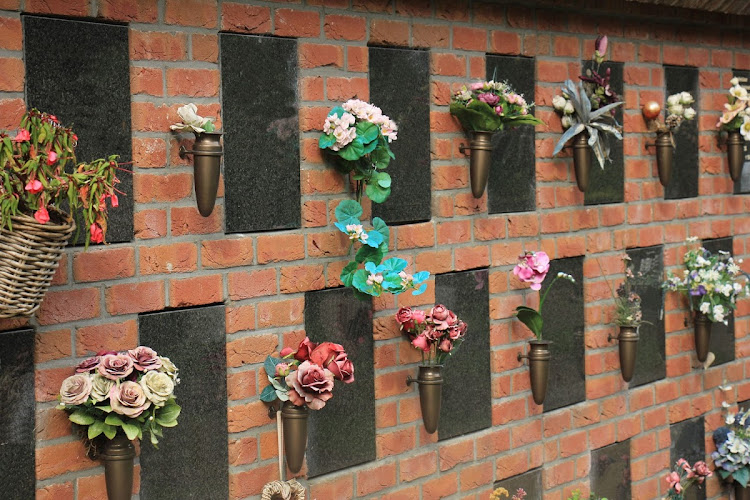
(702, 336)
(118, 458)
(735, 154)
(207, 154)
(479, 166)
(628, 347)
(538, 357)
(664, 156)
(741, 492)
(294, 421)
(430, 380)
(582, 160)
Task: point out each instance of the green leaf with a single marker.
(347, 211)
(95, 429)
(326, 141)
(130, 430)
(347, 274)
(113, 419)
(209, 126)
(742, 476)
(110, 431)
(170, 412)
(531, 318)
(381, 156)
(383, 179)
(353, 151)
(369, 254)
(80, 417)
(105, 408)
(376, 193)
(164, 423)
(367, 131)
(270, 365)
(268, 394)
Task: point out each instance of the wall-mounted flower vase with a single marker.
(480, 149)
(430, 380)
(207, 154)
(628, 347)
(538, 358)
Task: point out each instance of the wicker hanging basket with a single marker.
(29, 256)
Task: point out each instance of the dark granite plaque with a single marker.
(512, 181)
(192, 458)
(467, 377)
(608, 185)
(563, 325)
(400, 86)
(72, 73)
(335, 315)
(688, 442)
(684, 182)
(722, 336)
(261, 132)
(17, 435)
(530, 481)
(610, 471)
(743, 183)
(648, 266)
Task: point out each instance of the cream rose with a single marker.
(158, 387)
(75, 389)
(169, 368)
(128, 399)
(100, 387)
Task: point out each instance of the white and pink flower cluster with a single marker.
(736, 114)
(498, 95)
(373, 114)
(130, 382)
(341, 128)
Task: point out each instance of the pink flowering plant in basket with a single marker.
(532, 268)
(490, 107)
(305, 377)
(40, 176)
(437, 332)
(130, 391)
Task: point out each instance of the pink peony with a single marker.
(97, 235)
(128, 398)
(144, 359)
(489, 98)
(88, 364)
(310, 385)
(421, 342)
(34, 186)
(304, 350)
(116, 366)
(22, 136)
(42, 216)
(342, 368)
(532, 268)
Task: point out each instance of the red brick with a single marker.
(343, 89)
(296, 279)
(245, 18)
(161, 188)
(340, 488)
(389, 32)
(150, 224)
(205, 47)
(297, 23)
(339, 27)
(11, 74)
(11, 111)
(253, 349)
(448, 64)
(227, 253)
(282, 247)
(465, 38)
(281, 313)
(107, 337)
(140, 11)
(61, 306)
(202, 13)
(376, 479)
(11, 34)
(192, 82)
(156, 45)
(246, 285)
(50, 345)
(196, 291)
(163, 259)
(58, 459)
(430, 35)
(456, 453)
(395, 443)
(149, 152)
(79, 8)
(105, 264)
(187, 220)
(135, 297)
(251, 482)
(357, 59)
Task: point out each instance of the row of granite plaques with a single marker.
(86, 84)
(195, 339)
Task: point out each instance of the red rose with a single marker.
(342, 368)
(325, 353)
(404, 316)
(304, 350)
(310, 385)
(421, 342)
(442, 317)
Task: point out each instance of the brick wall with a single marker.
(181, 259)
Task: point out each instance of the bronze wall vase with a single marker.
(207, 154)
(582, 160)
(430, 380)
(479, 167)
(628, 347)
(538, 357)
(735, 154)
(664, 156)
(294, 421)
(118, 458)
(741, 492)
(702, 336)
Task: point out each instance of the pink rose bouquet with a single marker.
(532, 268)
(305, 377)
(130, 392)
(490, 107)
(684, 476)
(437, 332)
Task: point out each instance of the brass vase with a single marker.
(294, 421)
(741, 492)
(735, 154)
(479, 166)
(582, 160)
(118, 458)
(538, 357)
(664, 156)
(430, 380)
(702, 336)
(207, 154)
(628, 347)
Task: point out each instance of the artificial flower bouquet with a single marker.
(589, 107)
(679, 109)
(490, 107)
(437, 333)
(305, 377)
(710, 281)
(359, 134)
(532, 268)
(500, 493)
(684, 476)
(192, 121)
(130, 391)
(628, 311)
(41, 177)
(736, 116)
(732, 455)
